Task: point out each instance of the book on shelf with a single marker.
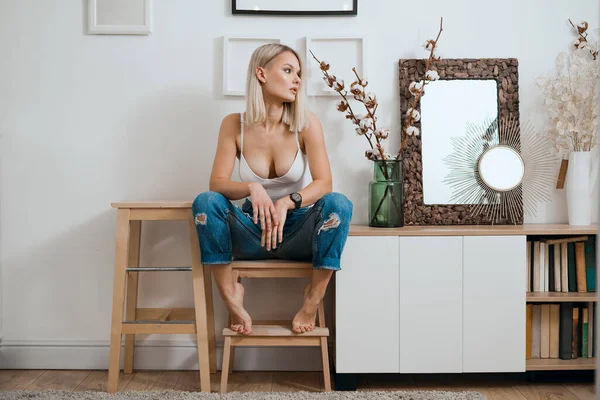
(564, 264)
(560, 330)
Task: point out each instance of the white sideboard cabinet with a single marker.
(435, 299)
(431, 304)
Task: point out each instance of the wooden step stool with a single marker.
(198, 320)
(275, 333)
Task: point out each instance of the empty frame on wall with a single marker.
(341, 53)
(118, 17)
(297, 7)
(236, 56)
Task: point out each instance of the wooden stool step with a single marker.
(277, 331)
(274, 336)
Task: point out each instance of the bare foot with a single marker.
(240, 319)
(304, 321)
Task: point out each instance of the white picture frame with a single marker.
(236, 56)
(119, 17)
(342, 53)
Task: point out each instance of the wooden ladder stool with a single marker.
(275, 333)
(198, 320)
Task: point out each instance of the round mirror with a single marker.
(501, 168)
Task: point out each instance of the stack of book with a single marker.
(563, 264)
(558, 328)
(564, 331)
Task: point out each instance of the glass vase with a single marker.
(386, 195)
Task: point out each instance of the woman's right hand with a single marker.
(264, 211)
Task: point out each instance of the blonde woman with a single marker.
(277, 141)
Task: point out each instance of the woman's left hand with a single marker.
(281, 209)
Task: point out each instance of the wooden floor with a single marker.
(496, 387)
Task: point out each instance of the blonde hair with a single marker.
(295, 114)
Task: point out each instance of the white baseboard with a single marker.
(150, 355)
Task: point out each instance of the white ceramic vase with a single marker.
(579, 181)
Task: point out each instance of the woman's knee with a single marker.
(207, 203)
(339, 204)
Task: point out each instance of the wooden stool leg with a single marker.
(210, 315)
(324, 349)
(325, 357)
(202, 328)
(132, 291)
(321, 314)
(231, 359)
(121, 255)
(225, 366)
(236, 276)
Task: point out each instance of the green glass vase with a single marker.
(386, 195)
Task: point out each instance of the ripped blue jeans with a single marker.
(317, 233)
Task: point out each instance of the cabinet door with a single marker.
(494, 303)
(430, 304)
(366, 302)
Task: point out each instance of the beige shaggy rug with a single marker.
(170, 395)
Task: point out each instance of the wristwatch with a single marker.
(297, 199)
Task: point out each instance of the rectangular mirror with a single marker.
(447, 109)
(459, 115)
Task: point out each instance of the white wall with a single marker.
(87, 120)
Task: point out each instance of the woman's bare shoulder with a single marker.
(230, 125)
(311, 133)
(233, 118)
(314, 126)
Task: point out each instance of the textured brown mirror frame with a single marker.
(505, 72)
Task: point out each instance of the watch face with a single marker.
(296, 197)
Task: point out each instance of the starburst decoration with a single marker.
(501, 205)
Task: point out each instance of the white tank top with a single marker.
(291, 181)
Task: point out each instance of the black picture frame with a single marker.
(353, 12)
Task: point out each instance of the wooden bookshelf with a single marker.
(546, 297)
(550, 364)
(555, 297)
